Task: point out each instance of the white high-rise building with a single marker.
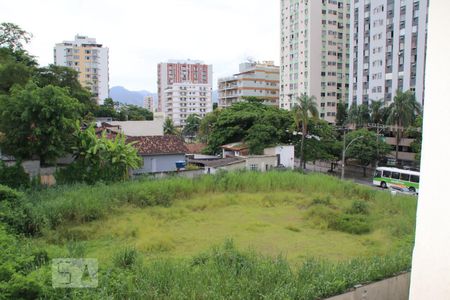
(148, 103)
(184, 89)
(315, 53)
(388, 49)
(90, 59)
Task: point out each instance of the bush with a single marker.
(17, 266)
(359, 208)
(9, 195)
(321, 201)
(14, 176)
(126, 258)
(354, 224)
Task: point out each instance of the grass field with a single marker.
(270, 223)
(237, 235)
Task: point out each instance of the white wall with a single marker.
(431, 260)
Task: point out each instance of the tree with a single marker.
(192, 126)
(67, 78)
(233, 124)
(134, 113)
(415, 132)
(321, 142)
(37, 122)
(13, 37)
(367, 148)
(401, 114)
(100, 159)
(341, 114)
(107, 109)
(303, 108)
(259, 137)
(359, 115)
(377, 112)
(12, 72)
(169, 127)
(206, 125)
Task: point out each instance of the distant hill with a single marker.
(122, 95)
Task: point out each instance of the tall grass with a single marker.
(226, 273)
(83, 203)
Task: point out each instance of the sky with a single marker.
(142, 33)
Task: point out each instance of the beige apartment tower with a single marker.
(315, 53)
(90, 59)
(257, 79)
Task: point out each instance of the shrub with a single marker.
(354, 224)
(17, 266)
(321, 216)
(321, 201)
(14, 176)
(9, 195)
(126, 258)
(359, 207)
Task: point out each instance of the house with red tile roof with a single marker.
(159, 153)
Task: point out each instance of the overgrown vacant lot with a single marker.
(236, 235)
(273, 223)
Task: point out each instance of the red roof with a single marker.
(153, 145)
(195, 148)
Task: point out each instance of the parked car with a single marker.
(395, 190)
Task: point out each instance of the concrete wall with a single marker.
(233, 167)
(431, 264)
(262, 163)
(396, 288)
(159, 163)
(287, 155)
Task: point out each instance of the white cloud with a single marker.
(141, 33)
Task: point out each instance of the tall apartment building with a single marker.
(254, 79)
(388, 42)
(148, 103)
(315, 53)
(90, 59)
(184, 88)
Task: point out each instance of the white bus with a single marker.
(386, 177)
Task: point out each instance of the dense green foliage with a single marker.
(402, 113)
(122, 112)
(235, 123)
(23, 274)
(321, 143)
(14, 176)
(227, 273)
(367, 148)
(38, 122)
(222, 272)
(192, 126)
(169, 127)
(67, 78)
(99, 159)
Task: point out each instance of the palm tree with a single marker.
(302, 109)
(359, 114)
(377, 114)
(401, 114)
(169, 127)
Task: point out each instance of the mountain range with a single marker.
(125, 96)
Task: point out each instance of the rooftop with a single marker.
(154, 145)
(139, 128)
